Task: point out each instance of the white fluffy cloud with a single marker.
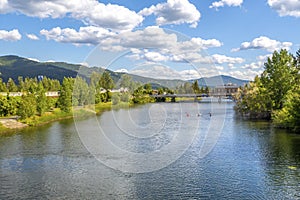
(159, 46)
(247, 74)
(166, 72)
(91, 12)
(206, 43)
(221, 59)
(155, 57)
(286, 7)
(12, 35)
(32, 36)
(266, 43)
(174, 12)
(156, 71)
(223, 3)
(85, 35)
(254, 65)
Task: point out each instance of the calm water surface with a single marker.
(250, 160)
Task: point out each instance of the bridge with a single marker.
(205, 97)
(173, 96)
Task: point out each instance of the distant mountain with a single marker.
(219, 80)
(14, 66)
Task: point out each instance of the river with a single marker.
(154, 151)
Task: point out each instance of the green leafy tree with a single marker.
(27, 107)
(254, 100)
(289, 115)
(94, 79)
(115, 99)
(275, 94)
(80, 92)
(279, 76)
(107, 83)
(127, 82)
(21, 84)
(8, 105)
(195, 87)
(65, 97)
(11, 86)
(41, 99)
(3, 87)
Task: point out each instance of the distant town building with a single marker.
(40, 77)
(226, 90)
(19, 94)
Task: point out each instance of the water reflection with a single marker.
(251, 160)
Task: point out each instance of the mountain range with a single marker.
(12, 66)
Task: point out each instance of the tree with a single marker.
(3, 87)
(126, 82)
(27, 107)
(94, 79)
(41, 100)
(8, 105)
(80, 92)
(21, 84)
(289, 115)
(106, 83)
(279, 76)
(254, 100)
(11, 86)
(187, 88)
(65, 97)
(195, 87)
(275, 94)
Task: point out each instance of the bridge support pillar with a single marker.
(220, 99)
(173, 99)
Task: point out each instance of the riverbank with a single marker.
(10, 125)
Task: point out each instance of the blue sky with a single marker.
(162, 39)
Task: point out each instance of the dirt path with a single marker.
(12, 123)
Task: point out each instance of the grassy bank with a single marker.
(4, 130)
(57, 114)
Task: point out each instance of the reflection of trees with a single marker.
(279, 153)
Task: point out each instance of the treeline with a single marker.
(72, 92)
(191, 88)
(275, 94)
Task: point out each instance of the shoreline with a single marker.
(11, 125)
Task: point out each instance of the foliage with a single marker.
(279, 76)
(8, 105)
(276, 93)
(65, 97)
(41, 100)
(127, 82)
(28, 106)
(80, 92)
(3, 87)
(256, 101)
(141, 95)
(11, 86)
(115, 99)
(107, 83)
(195, 87)
(289, 115)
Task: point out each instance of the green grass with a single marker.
(57, 114)
(48, 117)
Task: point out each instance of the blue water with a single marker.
(245, 160)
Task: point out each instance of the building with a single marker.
(226, 90)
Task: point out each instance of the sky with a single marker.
(183, 39)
